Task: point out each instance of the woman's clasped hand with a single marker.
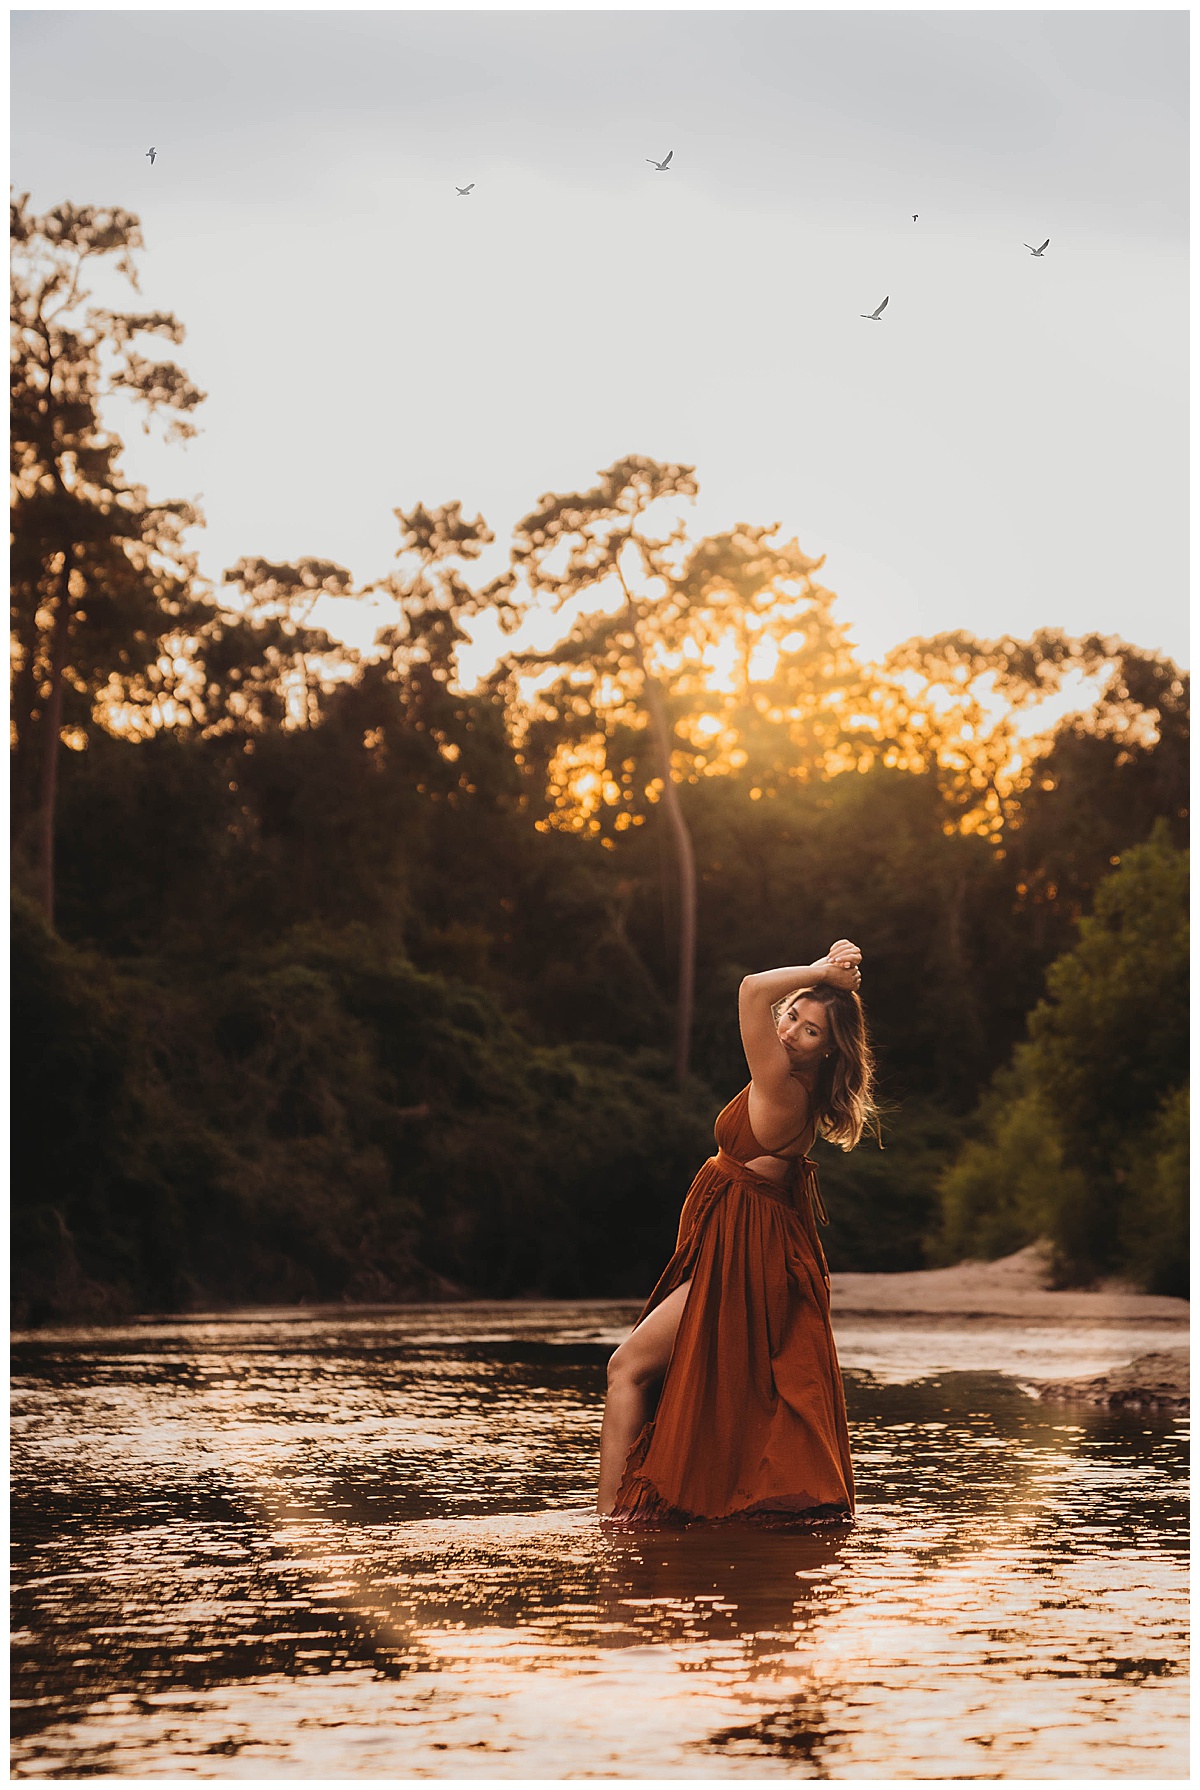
(840, 964)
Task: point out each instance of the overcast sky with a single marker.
(1005, 449)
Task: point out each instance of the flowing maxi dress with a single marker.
(751, 1420)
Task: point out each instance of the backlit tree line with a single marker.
(334, 978)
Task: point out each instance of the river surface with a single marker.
(361, 1545)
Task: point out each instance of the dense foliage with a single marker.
(324, 1121)
(334, 979)
(1085, 1133)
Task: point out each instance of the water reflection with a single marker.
(364, 1547)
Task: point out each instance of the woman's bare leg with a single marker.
(634, 1375)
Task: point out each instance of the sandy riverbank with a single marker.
(1014, 1290)
(1014, 1287)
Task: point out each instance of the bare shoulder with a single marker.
(779, 1107)
(766, 1059)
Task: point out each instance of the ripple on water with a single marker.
(362, 1546)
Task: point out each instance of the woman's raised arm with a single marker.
(768, 1061)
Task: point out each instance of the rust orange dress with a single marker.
(751, 1419)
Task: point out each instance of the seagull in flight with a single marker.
(462, 191)
(150, 153)
(662, 167)
(874, 316)
(1040, 251)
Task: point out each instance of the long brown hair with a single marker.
(843, 1099)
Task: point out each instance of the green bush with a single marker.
(1154, 1219)
(997, 1194)
(1083, 1138)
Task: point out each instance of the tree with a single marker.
(657, 669)
(430, 593)
(949, 706)
(1097, 1080)
(1097, 786)
(952, 705)
(287, 593)
(99, 575)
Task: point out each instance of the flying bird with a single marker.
(1040, 251)
(462, 191)
(150, 153)
(874, 316)
(661, 166)
(916, 215)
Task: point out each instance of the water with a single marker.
(331, 1545)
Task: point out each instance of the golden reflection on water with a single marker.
(363, 1546)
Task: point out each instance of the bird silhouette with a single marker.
(462, 191)
(150, 153)
(916, 215)
(874, 316)
(1040, 251)
(661, 166)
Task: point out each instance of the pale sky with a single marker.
(1006, 449)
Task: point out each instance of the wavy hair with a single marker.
(844, 1095)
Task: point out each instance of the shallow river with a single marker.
(331, 1545)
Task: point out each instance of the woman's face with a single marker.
(804, 1031)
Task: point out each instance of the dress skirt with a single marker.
(751, 1419)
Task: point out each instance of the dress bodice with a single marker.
(735, 1136)
(737, 1146)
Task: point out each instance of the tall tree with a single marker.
(420, 671)
(99, 574)
(674, 651)
(605, 670)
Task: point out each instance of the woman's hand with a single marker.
(840, 965)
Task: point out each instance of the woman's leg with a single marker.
(634, 1375)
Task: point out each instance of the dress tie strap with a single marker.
(813, 1183)
(737, 1170)
(778, 1190)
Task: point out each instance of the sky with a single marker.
(1005, 449)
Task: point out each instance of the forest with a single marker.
(334, 978)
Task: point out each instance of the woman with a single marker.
(735, 1341)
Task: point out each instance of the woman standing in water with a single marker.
(726, 1399)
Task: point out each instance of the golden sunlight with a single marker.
(763, 661)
